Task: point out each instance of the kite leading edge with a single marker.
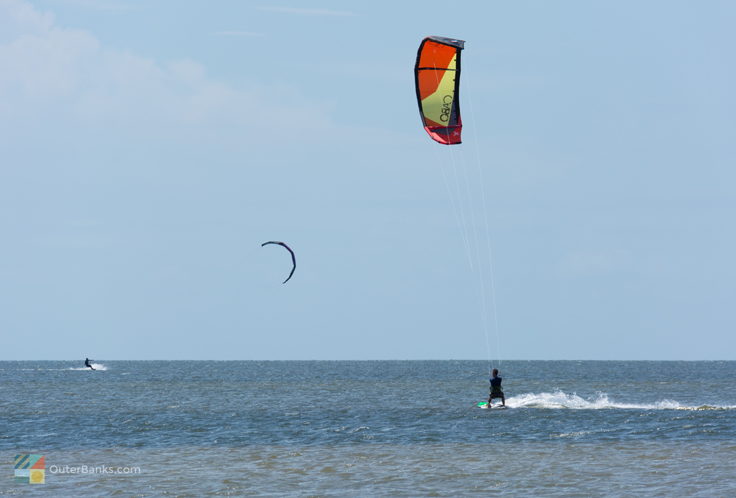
(293, 258)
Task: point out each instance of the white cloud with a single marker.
(109, 5)
(238, 34)
(308, 12)
(18, 18)
(50, 73)
(45, 63)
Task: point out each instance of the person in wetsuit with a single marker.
(88, 364)
(496, 391)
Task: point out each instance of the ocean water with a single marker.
(398, 428)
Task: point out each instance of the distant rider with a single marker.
(88, 364)
(496, 391)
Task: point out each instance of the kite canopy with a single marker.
(437, 77)
(293, 258)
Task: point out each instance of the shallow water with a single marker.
(383, 427)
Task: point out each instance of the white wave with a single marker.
(96, 366)
(572, 401)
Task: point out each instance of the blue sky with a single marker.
(149, 148)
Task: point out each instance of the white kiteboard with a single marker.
(483, 405)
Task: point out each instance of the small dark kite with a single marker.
(293, 258)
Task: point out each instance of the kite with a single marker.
(437, 78)
(293, 258)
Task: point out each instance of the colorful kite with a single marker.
(437, 77)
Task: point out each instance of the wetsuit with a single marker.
(496, 391)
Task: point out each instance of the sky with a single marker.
(147, 149)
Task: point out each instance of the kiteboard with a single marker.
(483, 405)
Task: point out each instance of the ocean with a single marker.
(369, 428)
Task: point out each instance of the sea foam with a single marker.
(559, 399)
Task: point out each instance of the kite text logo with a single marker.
(446, 108)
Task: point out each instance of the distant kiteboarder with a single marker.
(88, 363)
(293, 258)
(496, 391)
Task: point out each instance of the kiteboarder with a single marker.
(496, 391)
(88, 364)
